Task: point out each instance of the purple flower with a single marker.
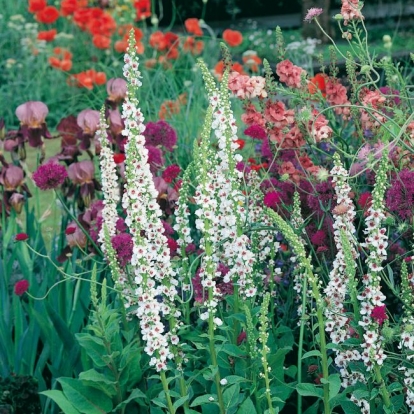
(272, 199)
(160, 134)
(11, 177)
(117, 89)
(312, 13)
(32, 113)
(49, 176)
(255, 131)
(400, 196)
(155, 158)
(122, 243)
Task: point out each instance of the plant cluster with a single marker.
(270, 271)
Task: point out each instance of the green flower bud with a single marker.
(388, 334)
(366, 69)
(338, 17)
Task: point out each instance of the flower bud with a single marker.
(386, 38)
(366, 69)
(338, 17)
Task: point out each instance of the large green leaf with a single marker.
(94, 347)
(231, 396)
(309, 390)
(85, 399)
(59, 398)
(99, 381)
(136, 395)
(247, 407)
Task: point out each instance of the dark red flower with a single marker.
(119, 158)
(272, 199)
(171, 173)
(240, 143)
(21, 237)
(49, 176)
(21, 287)
(70, 230)
(241, 338)
(379, 314)
(365, 199)
(255, 131)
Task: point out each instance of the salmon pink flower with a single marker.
(21, 287)
(75, 236)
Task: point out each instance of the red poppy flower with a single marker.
(47, 35)
(232, 37)
(36, 5)
(240, 143)
(143, 8)
(48, 15)
(318, 82)
(101, 41)
(192, 25)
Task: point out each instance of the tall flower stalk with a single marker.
(153, 273)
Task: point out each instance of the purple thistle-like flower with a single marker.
(49, 176)
(312, 13)
(400, 196)
(160, 133)
(255, 131)
(123, 245)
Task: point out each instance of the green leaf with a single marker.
(361, 394)
(99, 381)
(334, 385)
(314, 353)
(233, 379)
(181, 401)
(309, 390)
(247, 407)
(350, 408)
(59, 398)
(204, 399)
(85, 399)
(94, 348)
(231, 395)
(232, 350)
(136, 395)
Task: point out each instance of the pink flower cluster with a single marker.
(336, 95)
(351, 10)
(372, 119)
(246, 87)
(290, 74)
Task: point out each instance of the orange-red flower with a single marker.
(101, 41)
(318, 82)
(193, 46)
(157, 40)
(36, 5)
(232, 37)
(192, 25)
(48, 15)
(87, 79)
(47, 35)
(68, 7)
(143, 8)
(235, 67)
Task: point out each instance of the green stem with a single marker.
(303, 318)
(382, 386)
(171, 408)
(214, 363)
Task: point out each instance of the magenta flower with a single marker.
(312, 13)
(400, 196)
(272, 199)
(123, 245)
(171, 173)
(155, 158)
(49, 176)
(379, 314)
(21, 287)
(21, 237)
(160, 134)
(255, 131)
